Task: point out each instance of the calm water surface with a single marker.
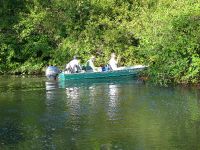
(119, 115)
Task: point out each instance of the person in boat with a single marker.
(73, 66)
(113, 62)
(90, 67)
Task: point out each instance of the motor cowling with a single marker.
(52, 72)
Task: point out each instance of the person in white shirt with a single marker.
(90, 65)
(113, 62)
(73, 66)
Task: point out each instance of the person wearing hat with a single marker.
(90, 65)
(73, 66)
(112, 62)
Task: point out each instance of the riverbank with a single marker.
(143, 77)
(161, 34)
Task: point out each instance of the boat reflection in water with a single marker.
(91, 92)
(74, 110)
(73, 101)
(113, 101)
(50, 87)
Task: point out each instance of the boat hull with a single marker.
(123, 72)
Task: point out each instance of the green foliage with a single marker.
(163, 34)
(176, 54)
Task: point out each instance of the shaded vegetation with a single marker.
(163, 34)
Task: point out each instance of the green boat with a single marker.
(132, 71)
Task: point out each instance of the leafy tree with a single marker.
(162, 34)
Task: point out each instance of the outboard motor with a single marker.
(52, 72)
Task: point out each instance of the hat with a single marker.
(92, 57)
(113, 55)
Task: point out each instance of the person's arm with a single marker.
(118, 58)
(92, 66)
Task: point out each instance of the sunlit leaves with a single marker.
(160, 33)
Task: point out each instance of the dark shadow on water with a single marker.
(92, 82)
(11, 133)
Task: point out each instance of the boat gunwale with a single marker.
(108, 74)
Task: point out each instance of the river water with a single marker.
(97, 115)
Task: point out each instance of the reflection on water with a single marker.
(51, 85)
(113, 101)
(50, 91)
(73, 103)
(125, 114)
